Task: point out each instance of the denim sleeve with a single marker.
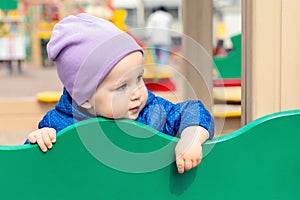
(57, 120)
(64, 114)
(46, 122)
(172, 119)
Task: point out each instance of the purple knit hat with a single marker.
(85, 49)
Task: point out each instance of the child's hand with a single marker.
(44, 137)
(189, 150)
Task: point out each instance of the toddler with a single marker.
(101, 68)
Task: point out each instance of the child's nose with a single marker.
(136, 94)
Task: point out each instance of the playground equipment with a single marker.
(228, 76)
(8, 4)
(12, 39)
(229, 67)
(227, 86)
(49, 96)
(106, 159)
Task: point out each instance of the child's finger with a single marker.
(180, 165)
(32, 138)
(188, 165)
(52, 134)
(40, 142)
(195, 163)
(46, 139)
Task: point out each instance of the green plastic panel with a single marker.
(8, 4)
(230, 66)
(102, 159)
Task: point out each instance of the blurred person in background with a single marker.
(159, 35)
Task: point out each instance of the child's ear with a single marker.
(86, 105)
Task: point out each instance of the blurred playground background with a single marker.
(29, 85)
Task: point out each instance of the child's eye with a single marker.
(139, 78)
(122, 87)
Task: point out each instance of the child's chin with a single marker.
(134, 116)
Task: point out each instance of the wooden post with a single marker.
(271, 61)
(197, 49)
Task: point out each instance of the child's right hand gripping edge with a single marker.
(44, 137)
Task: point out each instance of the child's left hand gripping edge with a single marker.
(188, 150)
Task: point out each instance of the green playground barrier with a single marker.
(105, 159)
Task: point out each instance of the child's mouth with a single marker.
(135, 109)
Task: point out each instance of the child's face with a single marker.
(123, 93)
